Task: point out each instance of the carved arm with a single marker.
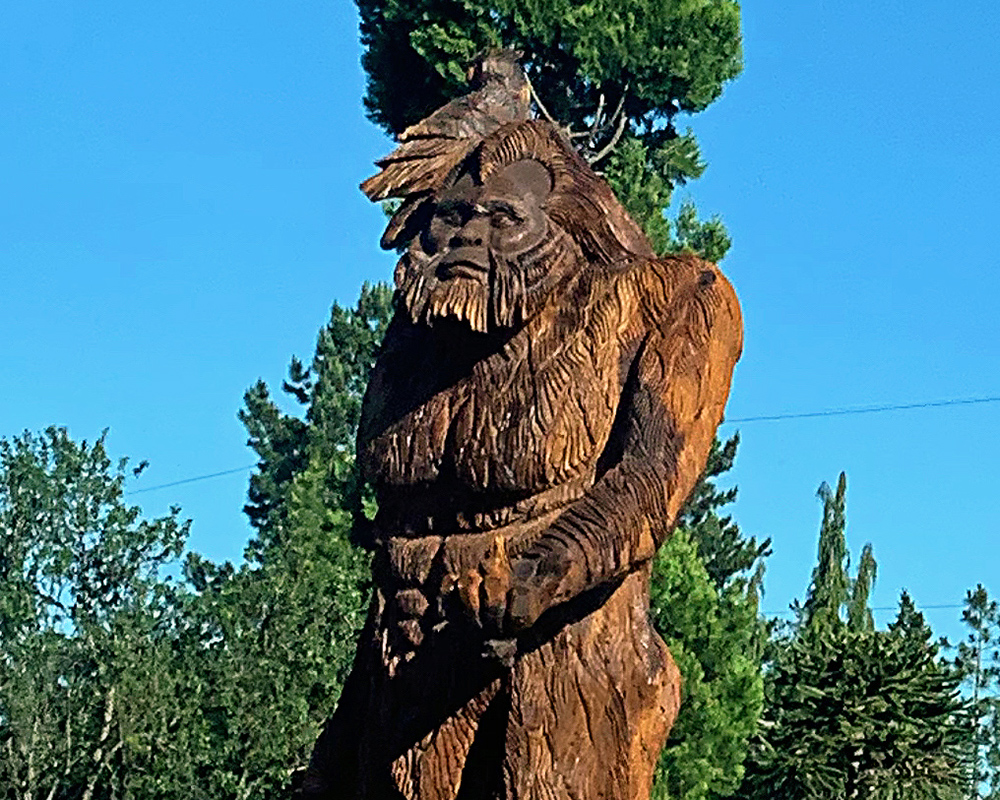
(672, 404)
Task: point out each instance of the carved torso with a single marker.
(545, 399)
(531, 419)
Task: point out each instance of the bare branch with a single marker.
(538, 102)
(621, 103)
(31, 755)
(597, 119)
(100, 759)
(614, 140)
(50, 599)
(56, 785)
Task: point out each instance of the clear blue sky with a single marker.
(180, 208)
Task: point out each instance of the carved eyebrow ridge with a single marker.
(465, 207)
(502, 205)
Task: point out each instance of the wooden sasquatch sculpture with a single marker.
(544, 402)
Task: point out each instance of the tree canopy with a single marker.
(614, 76)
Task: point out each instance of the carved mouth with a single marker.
(461, 263)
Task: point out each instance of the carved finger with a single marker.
(496, 571)
(468, 591)
(524, 606)
(503, 651)
(537, 580)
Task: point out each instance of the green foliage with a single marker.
(644, 182)
(708, 239)
(330, 391)
(715, 637)
(645, 193)
(829, 588)
(277, 643)
(726, 554)
(852, 712)
(119, 682)
(84, 622)
(279, 632)
(704, 602)
(672, 56)
(859, 714)
(978, 662)
(614, 74)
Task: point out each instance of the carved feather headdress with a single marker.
(495, 118)
(432, 149)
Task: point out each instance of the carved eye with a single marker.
(502, 218)
(450, 216)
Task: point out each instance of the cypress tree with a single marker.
(852, 712)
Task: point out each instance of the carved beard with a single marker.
(516, 288)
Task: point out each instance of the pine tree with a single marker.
(279, 639)
(978, 662)
(852, 712)
(279, 631)
(725, 552)
(329, 391)
(628, 105)
(716, 637)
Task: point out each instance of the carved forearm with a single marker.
(615, 528)
(672, 404)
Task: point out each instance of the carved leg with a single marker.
(592, 707)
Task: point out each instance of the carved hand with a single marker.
(483, 591)
(535, 587)
(504, 597)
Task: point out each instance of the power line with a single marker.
(832, 412)
(879, 608)
(837, 412)
(232, 471)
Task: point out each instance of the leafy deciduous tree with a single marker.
(82, 619)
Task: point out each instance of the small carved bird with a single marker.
(431, 148)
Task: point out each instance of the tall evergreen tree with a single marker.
(978, 662)
(614, 75)
(283, 625)
(627, 104)
(716, 637)
(329, 391)
(829, 587)
(278, 641)
(725, 552)
(851, 712)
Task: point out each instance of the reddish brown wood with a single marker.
(543, 404)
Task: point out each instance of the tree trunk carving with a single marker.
(544, 401)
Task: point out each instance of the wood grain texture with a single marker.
(543, 404)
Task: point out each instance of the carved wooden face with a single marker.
(503, 216)
(485, 248)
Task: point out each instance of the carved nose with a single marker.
(465, 241)
(472, 234)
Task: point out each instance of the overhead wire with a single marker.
(931, 607)
(837, 412)
(232, 471)
(762, 418)
(832, 412)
